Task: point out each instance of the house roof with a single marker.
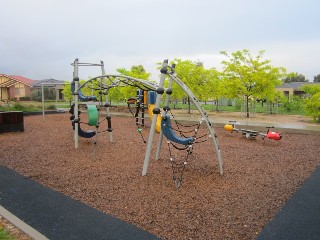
(295, 85)
(12, 79)
(47, 82)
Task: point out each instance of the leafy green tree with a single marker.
(295, 77)
(251, 77)
(294, 103)
(123, 93)
(312, 101)
(67, 91)
(136, 72)
(215, 87)
(316, 78)
(199, 79)
(86, 90)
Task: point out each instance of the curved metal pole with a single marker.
(204, 117)
(122, 79)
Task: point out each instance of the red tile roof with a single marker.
(25, 80)
(20, 79)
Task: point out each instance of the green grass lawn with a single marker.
(32, 106)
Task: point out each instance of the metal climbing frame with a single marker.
(105, 83)
(76, 65)
(110, 81)
(160, 90)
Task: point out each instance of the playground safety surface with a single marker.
(260, 178)
(60, 217)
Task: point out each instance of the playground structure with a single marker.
(252, 134)
(105, 82)
(144, 99)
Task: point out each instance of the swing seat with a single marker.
(82, 133)
(86, 134)
(171, 135)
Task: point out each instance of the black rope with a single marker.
(179, 148)
(186, 126)
(101, 121)
(139, 130)
(201, 141)
(178, 130)
(202, 136)
(178, 176)
(180, 124)
(136, 115)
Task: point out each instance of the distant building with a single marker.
(14, 87)
(55, 86)
(293, 88)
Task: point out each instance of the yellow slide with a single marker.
(150, 111)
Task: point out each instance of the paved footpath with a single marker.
(56, 216)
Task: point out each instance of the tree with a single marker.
(199, 79)
(295, 77)
(251, 77)
(68, 94)
(136, 71)
(316, 78)
(312, 102)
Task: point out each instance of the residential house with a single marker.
(55, 87)
(14, 87)
(291, 89)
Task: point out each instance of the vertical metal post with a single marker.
(142, 106)
(76, 107)
(137, 106)
(154, 120)
(42, 96)
(161, 133)
(108, 115)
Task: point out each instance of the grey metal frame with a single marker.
(114, 81)
(199, 107)
(120, 81)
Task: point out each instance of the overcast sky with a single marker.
(39, 39)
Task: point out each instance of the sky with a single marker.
(39, 39)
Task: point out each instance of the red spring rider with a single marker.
(273, 135)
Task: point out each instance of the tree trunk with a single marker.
(247, 106)
(189, 106)
(217, 105)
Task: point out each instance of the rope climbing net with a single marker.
(185, 141)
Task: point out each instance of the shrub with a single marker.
(25, 98)
(51, 107)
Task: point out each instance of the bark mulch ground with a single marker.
(259, 176)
